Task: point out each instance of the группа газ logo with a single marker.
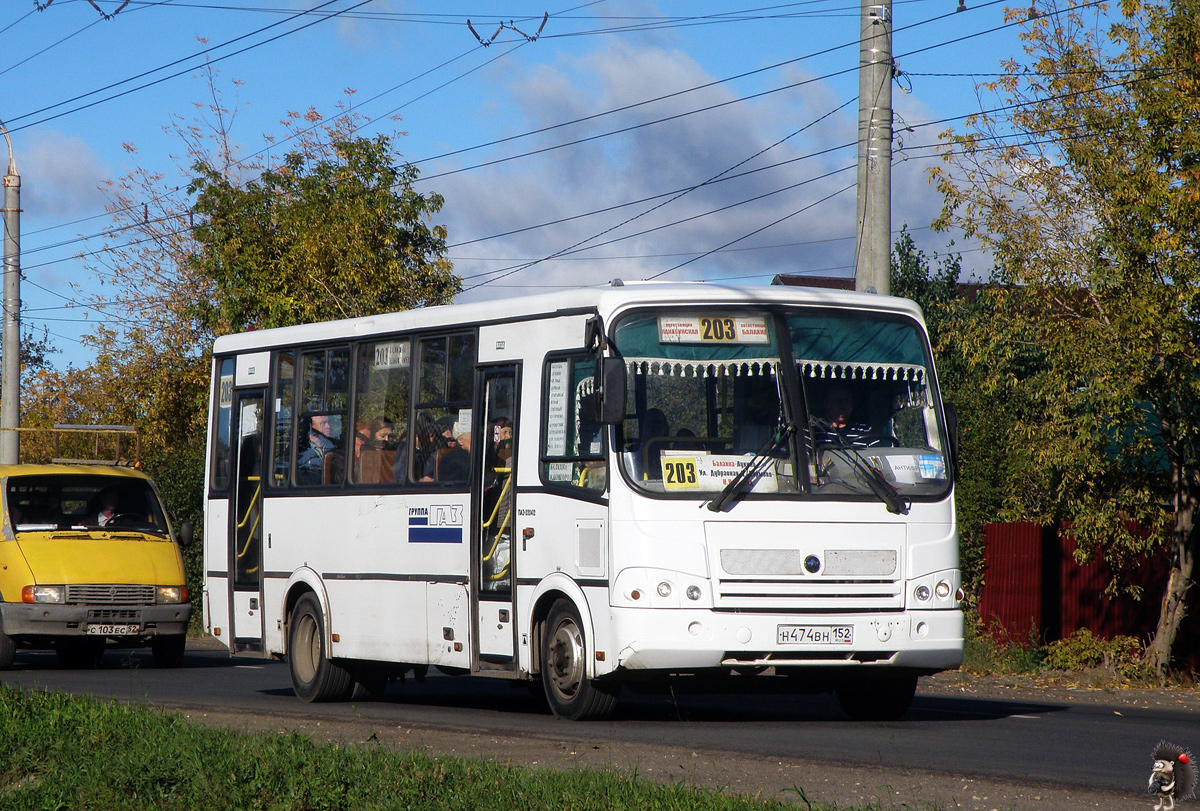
(1173, 775)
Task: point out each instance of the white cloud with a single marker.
(813, 235)
(60, 176)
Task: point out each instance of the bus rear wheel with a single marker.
(315, 677)
(569, 691)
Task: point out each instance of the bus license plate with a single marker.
(112, 630)
(815, 634)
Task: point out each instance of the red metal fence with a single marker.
(1034, 588)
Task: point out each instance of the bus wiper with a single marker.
(752, 471)
(881, 487)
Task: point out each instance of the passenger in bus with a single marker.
(311, 464)
(500, 435)
(455, 464)
(422, 443)
(381, 432)
(377, 456)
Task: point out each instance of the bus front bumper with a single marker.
(114, 621)
(683, 640)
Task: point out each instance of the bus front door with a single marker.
(245, 552)
(494, 505)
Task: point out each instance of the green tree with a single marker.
(319, 237)
(1084, 184)
(335, 230)
(985, 420)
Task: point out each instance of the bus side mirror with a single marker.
(185, 534)
(612, 391)
(952, 430)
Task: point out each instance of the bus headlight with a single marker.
(693, 593)
(43, 594)
(936, 590)
(664, 589)
(172, 594)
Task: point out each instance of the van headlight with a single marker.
(43, 594)
(172, 594)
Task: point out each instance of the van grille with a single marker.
(110, 594)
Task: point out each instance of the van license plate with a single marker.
(815, 634)
(113, 630)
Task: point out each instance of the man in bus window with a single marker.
(839, 421)
(310, 466)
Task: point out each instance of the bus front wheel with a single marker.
(569, 691)
(882, 698)
(314, 676)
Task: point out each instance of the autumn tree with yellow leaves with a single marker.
(1084, 182)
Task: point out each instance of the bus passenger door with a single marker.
(245, 552)
(494, 505)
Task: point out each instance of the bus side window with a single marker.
(445, 387)
(381, 410)
(572, 439)
(324, 399)
(221, 458)
(285, 396)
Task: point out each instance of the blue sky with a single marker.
(671, 94)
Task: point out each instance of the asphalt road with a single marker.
(1020, 750)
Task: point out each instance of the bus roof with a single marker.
(603, 300)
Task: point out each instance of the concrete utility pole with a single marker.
(10, 369)
(873, 249)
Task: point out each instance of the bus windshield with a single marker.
(817, 403)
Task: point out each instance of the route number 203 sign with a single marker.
(713, 329)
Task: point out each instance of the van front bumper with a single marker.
(44, 619)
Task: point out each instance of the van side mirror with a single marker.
(185, 534)
(612, 391)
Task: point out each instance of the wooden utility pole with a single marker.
(872, 254)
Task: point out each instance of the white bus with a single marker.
(638, 483)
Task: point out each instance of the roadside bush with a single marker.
(1082, 649)
(992, 651)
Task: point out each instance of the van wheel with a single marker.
(314, 676)
(8, 651)
(168, 649)
(569, 691)
(883, 698)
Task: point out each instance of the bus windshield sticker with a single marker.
(713, 329)
(560, 471)
(688, 471)
(391, 355)
(556, 411)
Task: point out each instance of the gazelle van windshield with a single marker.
(830, 404)
(67, 501)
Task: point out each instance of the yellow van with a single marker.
(87, 557)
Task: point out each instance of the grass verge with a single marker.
(59, 752)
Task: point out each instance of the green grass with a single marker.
(63, 752)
